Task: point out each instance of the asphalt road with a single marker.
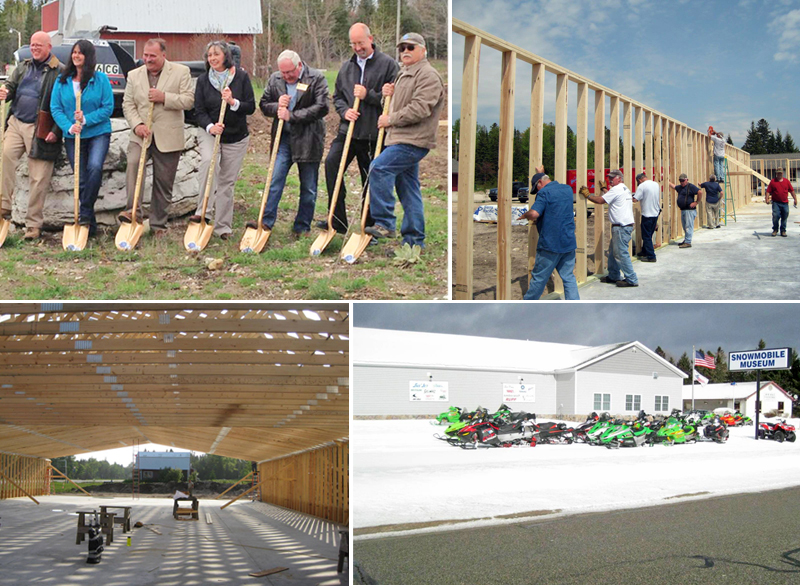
(739, 539)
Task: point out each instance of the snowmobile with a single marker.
(581, 429)
(553, 433)
(674, 431)
(716, 431)
(779, 431)
(742, 420)
(453, 414)
(629, 434)
(520, 431)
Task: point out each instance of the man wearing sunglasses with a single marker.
(412, 124)
(362, 76)
(688, 207)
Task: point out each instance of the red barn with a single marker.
(186, 25)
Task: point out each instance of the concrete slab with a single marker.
(740, 261)
(37, 545)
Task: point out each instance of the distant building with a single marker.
(186, 25)
(152, 463)
(399, 373)
(739, 396)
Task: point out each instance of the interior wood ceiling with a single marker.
(251, 381)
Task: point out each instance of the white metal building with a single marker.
(739, 396)
(417, 373)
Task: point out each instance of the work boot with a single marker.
(783, 234)
(606, 279)
(685, 245)
(32, 233)
(197, 219)
(379, 231)
(624, 283)
(774, 233)
(254, 226)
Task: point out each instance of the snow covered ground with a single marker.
(403, 475)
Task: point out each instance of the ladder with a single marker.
(135, 475)
(257, 493)
(728, 187)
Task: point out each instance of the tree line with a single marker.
(318, 31)
(24, 16)
(789, 380)
(207, 467)
(761, 140)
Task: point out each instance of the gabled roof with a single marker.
(728, 391)
(400, 348)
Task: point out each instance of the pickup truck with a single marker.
(519, 190)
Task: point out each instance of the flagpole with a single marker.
(693, 366)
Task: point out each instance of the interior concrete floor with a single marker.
(37, 545)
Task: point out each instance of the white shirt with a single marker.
(648, 193)
(362, 63)
(719, 146)
(620, 204)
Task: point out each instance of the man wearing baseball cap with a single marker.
(688, 207)
(411, 127)
(552, 213)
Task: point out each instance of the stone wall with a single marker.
(59, 205)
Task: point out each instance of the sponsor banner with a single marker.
(771, 359)
(428, 391)
(515, 393)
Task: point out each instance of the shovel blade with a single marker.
(128, 236)
(4, 226)
(254, 240)
(75, 237)
(354, 247)
(322, 241)
(197, 236)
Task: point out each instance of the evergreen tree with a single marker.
(752, 143)
(788, 144)
(765, 134)
(685, 365)
(730, 140)
(778, 143)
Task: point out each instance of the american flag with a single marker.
(701, 361)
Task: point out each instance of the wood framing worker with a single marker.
(169, 86)
(778, 192)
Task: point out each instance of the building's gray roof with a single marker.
(778, 156)
(727, 391)
(159, 17)
(371, 346)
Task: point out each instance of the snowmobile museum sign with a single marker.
(428, 391)
(518, 393)
(773, 359)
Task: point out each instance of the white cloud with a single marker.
(787, 28)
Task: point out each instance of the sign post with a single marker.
(771, 359)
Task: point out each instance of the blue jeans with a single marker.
(93, 155)
(619, 260)
(398, 168)
(780, 213)
(719, 169)
(546, 262)
(649, 225)
(308, 189)
(687, 220)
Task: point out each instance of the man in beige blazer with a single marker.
(169, 86)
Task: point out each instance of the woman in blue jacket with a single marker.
(92, 122)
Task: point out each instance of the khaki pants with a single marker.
(18, 140)
(712, 213)
(165, 166)
(229, 162)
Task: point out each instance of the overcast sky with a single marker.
(715, 62)
(674, 327)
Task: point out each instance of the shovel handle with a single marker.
(342, 165)
(77, 162)
(142, 160)
(275, 144)
(378, 147)
(210, 180)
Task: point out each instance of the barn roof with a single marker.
(158, 17)
(251, 381)
(373, 346)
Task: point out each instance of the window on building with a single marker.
(602, 402)
(129, 46)
(633, 403)
(736, 406)
(780, 406)
(662, 403)
(147, 474)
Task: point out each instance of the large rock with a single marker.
(59, 207)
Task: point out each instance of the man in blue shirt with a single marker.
(553, 215)
(713, 201)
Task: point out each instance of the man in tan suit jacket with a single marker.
(169, 86)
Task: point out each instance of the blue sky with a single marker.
(715, 62)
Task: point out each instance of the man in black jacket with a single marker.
(30, 129)
(298, 95)
(362, 76)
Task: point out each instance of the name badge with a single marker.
(302, 87)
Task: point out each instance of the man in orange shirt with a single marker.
(778, 191)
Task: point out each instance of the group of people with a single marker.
(44, 96)
(553, 214)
